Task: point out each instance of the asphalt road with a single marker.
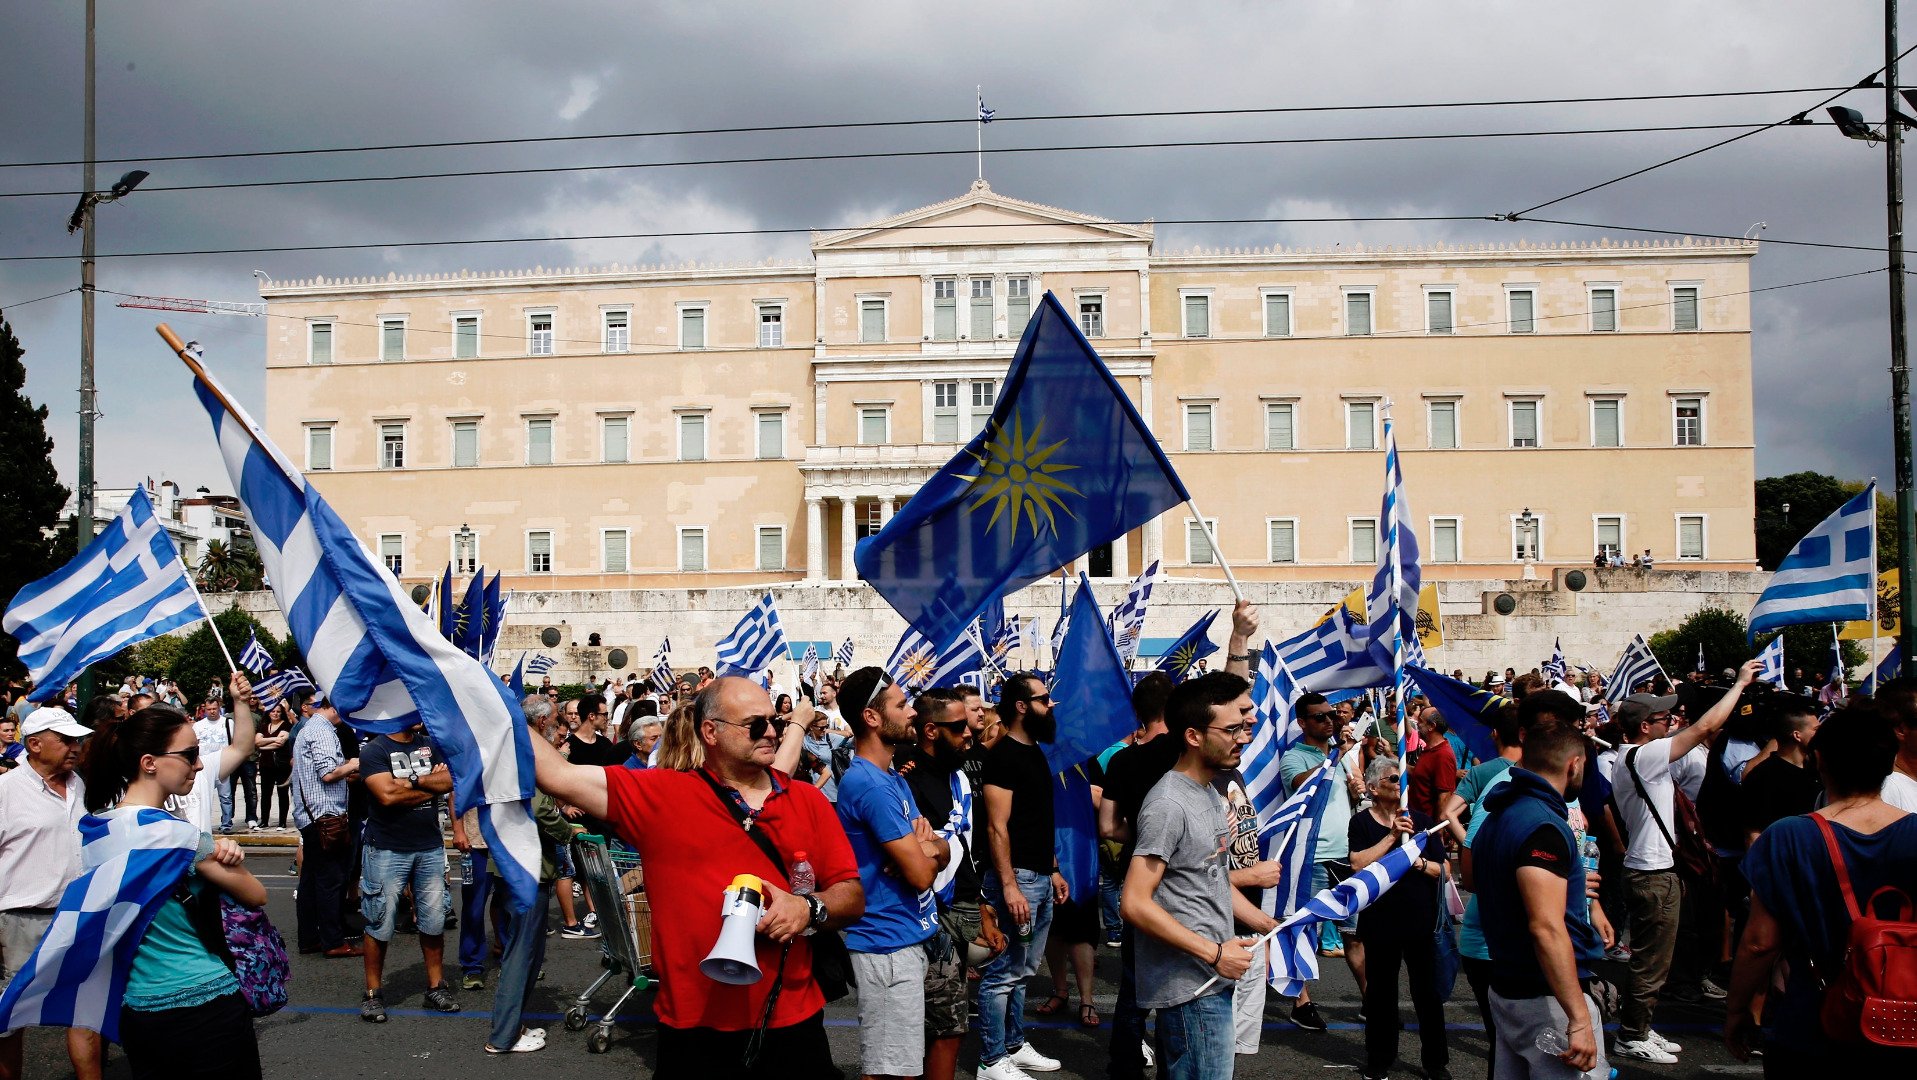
(320, 1034)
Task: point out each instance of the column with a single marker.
(848, 535)
(887, 506)
(1121, 558)
(814, 538)
(1154, 540)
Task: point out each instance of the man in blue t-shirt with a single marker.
(899, 859)
(403, 847)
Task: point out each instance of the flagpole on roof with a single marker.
(978, 128)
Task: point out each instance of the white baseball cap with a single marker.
(59, 721)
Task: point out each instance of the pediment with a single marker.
(982, 216)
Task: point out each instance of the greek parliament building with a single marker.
(686, 427)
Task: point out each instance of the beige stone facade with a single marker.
(693, 427)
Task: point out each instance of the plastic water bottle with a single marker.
(1553, 1042)
(803, 879)
(1589, 851)
(466, 868)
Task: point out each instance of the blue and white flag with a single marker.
(809, 664)
(1839, 671)
(1274, 696)
(1391, 607)
(754, 644)
(1892, 667)
(1289, 835)
(1001, 644)
(1128, 618)
(275, 690)
(843, 657)
(254, 656)
(1192, 646)
(1771, 662)
(132, 859)
(378, 657)
(1294, 948)
(1555, 669)
(662, 667)
(916, 665)
(1830, 576)
(126, 586)
(516, 682)
(541, 664)
(1701, 669)
(984, 114)
(1336, 654)
(1635, 666)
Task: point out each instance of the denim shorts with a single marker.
(385, 874)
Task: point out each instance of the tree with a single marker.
(1807, 646)
(31, 495)
(230, 568)
(1721, 633)
(1811, 497)
(199, 660)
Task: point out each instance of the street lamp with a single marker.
(462, 544)
(1527, 535)
(1787, 515)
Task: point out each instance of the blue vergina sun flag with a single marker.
(1192, 646)
(1065, 464)
(1830, 576)
(1893, 664)
(1468, 710)
(1091, 692)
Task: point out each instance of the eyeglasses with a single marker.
(1232, 731)
(1047, 698)
(952, 725)
(190, 755)
(756, 726)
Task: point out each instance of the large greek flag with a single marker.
(1830, 576)
(1290, 835)
(1336, 654)
(126, 586)
(1635, 666)
(755, 643)
(1294, 948)
(380, 659)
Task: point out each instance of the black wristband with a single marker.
(1220, 956)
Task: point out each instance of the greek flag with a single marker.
(274, 690)
(254, 656)
(1274, 696)
(1290, 835)
(379, 658)
(1701, 669)
(843, 657)
(1771, 662)
(1892, 666)
(1128, 618)
(1391, 608)
(541, 664)
(662, 668)
(126, 586)
(984, 114)
(916, 665)
(809, 664)
(1830, 576)
(1294, 948)
(1336, 654)
(754, 644)
(1635, 666)
(1010, 633)
(1555, 669)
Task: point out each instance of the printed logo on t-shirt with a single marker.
(412, 764)
(1544, 856)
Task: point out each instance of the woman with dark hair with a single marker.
(276, 765)
(1800, 910)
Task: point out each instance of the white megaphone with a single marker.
(732, 960)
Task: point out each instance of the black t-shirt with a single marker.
(1545, 849)
(400, 828)
(1021, 769)
(600, 751)
(932, 790)
(1130, 774)
(975, 775)
(356, 797)
(1408, 911)
(1777, 789)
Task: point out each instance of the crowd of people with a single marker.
(923, 849)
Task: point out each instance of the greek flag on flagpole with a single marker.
(541, 664)
(274, 690)
(809, 663)
(1391, 608)
(984, 114)
(1336, 654)
(379, 658)
(843, 657)
(254, 656)
(1830, 576)
(126, 586)
(1294, 948)
(1290, 835)
(1635, 666)
(1128, 618)
(662, 668)
(1838, 673)
(755, 643)
(1555, 669)
(1274, 696)
(1700, 658)
(1771, 662)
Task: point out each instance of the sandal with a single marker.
(1053, 1005)
(1088, 1016)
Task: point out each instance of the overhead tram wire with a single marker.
(952, 121)
(18, 304)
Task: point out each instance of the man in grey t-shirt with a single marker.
(1178, 893)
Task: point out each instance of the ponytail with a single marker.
(113, 752)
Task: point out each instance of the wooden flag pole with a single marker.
(179, 348)
(231, 667)
(1212, 539)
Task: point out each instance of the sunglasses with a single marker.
(190, 755)
(952, 725)
(757, 726)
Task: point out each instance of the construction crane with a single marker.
(202, 307)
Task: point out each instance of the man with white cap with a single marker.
(40, 811)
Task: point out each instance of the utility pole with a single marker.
(1899, 345)
(84, 525)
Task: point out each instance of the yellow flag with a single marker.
(1890, 613)
(1430, 632)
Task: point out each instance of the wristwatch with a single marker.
(819, 913)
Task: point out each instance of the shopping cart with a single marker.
(617, 886)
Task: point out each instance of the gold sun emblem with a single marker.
(1017, 474)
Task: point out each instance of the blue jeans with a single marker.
(1001, 986)
(525, 954)
(1195, 1040)
(476, 901)
(1109, 885)
(384, 874)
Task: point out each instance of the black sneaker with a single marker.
(440, 999)
(1307, 1016)
(372, 1008)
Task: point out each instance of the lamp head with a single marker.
(128, 182)
(1851, 124)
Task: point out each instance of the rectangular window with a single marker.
(1018, 304)
(1603, 311)
(618, 332)
(692, 437)
(1607, 422)
(865, 518)
(771, 547)
(465, 553)
(771, 434)
(1197, 316)
(945, 309)
(1361, 425)
(1444, 539)
(1437, 312)
(692, 328)
(319, 343)
(771, 326)
(539, 442)
(1690, 536)
(613, 551)
(1684, 308)
(692, 549)
(1197, 545)
(1357, 314)
(1091, 316)
(465, 337)
(1689, 415)
(945, 412)
(1283, 538)
(392, 339)
(1198, 427)
(319, 447)
(392, 552)
(1281, 430)
(615, 439)
(1525, 537)
(984, 397)
(1521, 311)
(1524, 423)
(392, 446)
(874, 425)
(1443, 416)
(465, 444)
(539, 551)
(1364, 540)
(1610, 536)
(1277, 314)
(539, 334)
(872, 321)
(981, 309)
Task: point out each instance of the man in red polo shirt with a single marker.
(1436, 773)
(687, 830)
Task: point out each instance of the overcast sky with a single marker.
(193, 77)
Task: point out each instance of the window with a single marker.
(1281, 426)
(1525, 538)
(945, 309)
(1684, 307)
(1607, 422)
(1443, 419)
(1197, 545)
(392, 339)
(1604, 310)
(1444, 539)
(1197, 316)
(465, 337)
(539, 334)
(984, 397)
(465, 553)
(692, 328)
(1357, 314)
(771, 326)
(872, 321)
(319, 447)
(1282, 539)
(772, 547)
(539, 442)
(539, 551)
(1018, 304)
(319, 343)
(614, 551)
(1361, 425)
(1364, 540)
(945, 412)
(692, 548)
(692, 437)
(1690, 536)
(866, 518)
(615, 439)
(1198, 427)
(392, 552)
(1437, 312)
(1521, 306)
(875, 426)
(1688, 414)
(617, 335)
(770, 428)
(465, 444)
(981, 309)
(1609, 534)
(1091, 316)
(1277, 314)
(1524, 423)
(392, 446)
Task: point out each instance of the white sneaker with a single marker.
(1002, 1069)
(1643, 1050)
(1151, 1059)
(1663, 1043)
(1030, 1060)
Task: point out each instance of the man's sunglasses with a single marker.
(757, 726)
(952, 725)
(190, 755)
